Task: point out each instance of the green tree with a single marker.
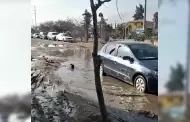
(46, 26)
(139, 12)
(148, 33)
(34, 29)
(105, 28)
(177, 76)
(120, 30)
(87, 20)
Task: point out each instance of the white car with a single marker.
(51, 35)
(64, 37)
(36, 35)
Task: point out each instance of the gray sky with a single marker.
(172, 38)
(61, 9)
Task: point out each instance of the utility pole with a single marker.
(35, 16)
(144, 23)
(187, 81)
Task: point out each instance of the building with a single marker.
(137, 24)
(170, 99)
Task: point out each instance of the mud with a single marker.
(122, 99)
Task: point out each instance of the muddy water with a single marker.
(117, 93)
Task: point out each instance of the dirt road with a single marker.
(121, 99)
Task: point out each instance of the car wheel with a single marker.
(140, 84)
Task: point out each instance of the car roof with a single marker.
(127, 42)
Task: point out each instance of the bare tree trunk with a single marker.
(86, 33)
(96, 60)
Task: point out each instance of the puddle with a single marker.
(82, 78)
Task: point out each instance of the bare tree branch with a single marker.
(100, 3)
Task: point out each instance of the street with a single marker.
(80, 81)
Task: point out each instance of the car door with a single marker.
(109, 59)
(124, 67)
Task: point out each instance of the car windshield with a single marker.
(144, 51)
(54, 33)
(66, 34)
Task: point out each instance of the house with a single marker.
(168, 100)
(137, 24)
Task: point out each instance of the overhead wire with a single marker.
(120, 16)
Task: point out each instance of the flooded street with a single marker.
(117, 93)
(120, 98)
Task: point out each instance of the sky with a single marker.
(61, 9)
(172, 43)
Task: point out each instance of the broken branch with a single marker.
(100, 3)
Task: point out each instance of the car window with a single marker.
(110, 49)
(123, 51)
(144, 51)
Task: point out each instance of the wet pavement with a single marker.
(117, 94)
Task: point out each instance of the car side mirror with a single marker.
(128, 58)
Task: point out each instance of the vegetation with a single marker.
(177, 76)
(105, 29)
(139, 12)
(87, 20)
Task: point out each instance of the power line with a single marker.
(124, 31)
(118, 10)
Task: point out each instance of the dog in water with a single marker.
(72, 66)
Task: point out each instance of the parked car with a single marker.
(51, 35)
(43, 35)
(64, 37)
(133, 62)
(36, 35)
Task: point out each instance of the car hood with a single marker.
(151, 64)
